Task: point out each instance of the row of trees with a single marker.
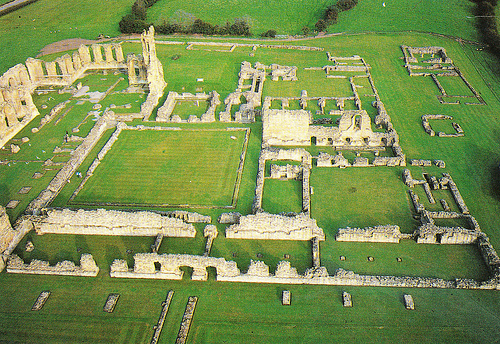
(136, 22)
(485, 11)
(332, 13)
(238, 28)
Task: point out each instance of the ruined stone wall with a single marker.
(275, 227)
(6, 231)
(111, 222)
(17, 108)
(65, 70)
(286, 127)
(387, 233)
(154, 73)
(87, 268)
(165, 111)
(144, 266)
(297, 154)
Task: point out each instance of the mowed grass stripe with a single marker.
(175, 167)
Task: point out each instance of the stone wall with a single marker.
(87, 267)
(17, 108)
(252, 92)
(297, 154)
(6, 231)
(154, 73)
(144, 266)
(65, 70)
(275, 227)
(165, 111)
(111, 222)
(387, 233)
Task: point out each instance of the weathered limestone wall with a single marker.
(251, 92)
(111, 222)
(388, 233)
(65, 70)
(144, 266)
(165, 111)
(154, 72)
(286, 127)
(16, 103)
(258, 272)
(87, 267)
(275, 227)
(6, 231)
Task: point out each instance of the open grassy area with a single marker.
(193, 168)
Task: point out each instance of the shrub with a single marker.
(139, 9)
(345, 5)
(240, 28)
(269, 33)
(321, 25)
(331, 14)
(199, 26)
(130, 24)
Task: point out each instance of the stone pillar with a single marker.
(77, 61)
(315, 252)
(35, 69)
(108, 53)
(96, 50)
(3, 123)
(51, 68)
(132, 76)
(62, 65)
(69, 64)
(84, 53)
(199, 273)
(118, 52)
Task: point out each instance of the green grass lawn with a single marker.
(194, 168)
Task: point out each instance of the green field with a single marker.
(150, 169)
(192, 168)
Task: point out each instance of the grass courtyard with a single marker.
(193, 168)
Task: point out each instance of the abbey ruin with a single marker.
(300, 135)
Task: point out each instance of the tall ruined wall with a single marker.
(17, 108)
(286, 127)
(66, 69)
(111, 222)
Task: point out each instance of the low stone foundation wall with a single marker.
(275, 227)
(87, 268)
(111, 222)
(388, 233)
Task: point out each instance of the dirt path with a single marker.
(67, 44)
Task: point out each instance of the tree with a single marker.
(345, 5)
(321, 25)
(331, 14)
(240, 28)
(199, 26)
(305, 30)
(130, 24)
(139, 9)
(269, 33)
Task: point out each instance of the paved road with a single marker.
(14, 3)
